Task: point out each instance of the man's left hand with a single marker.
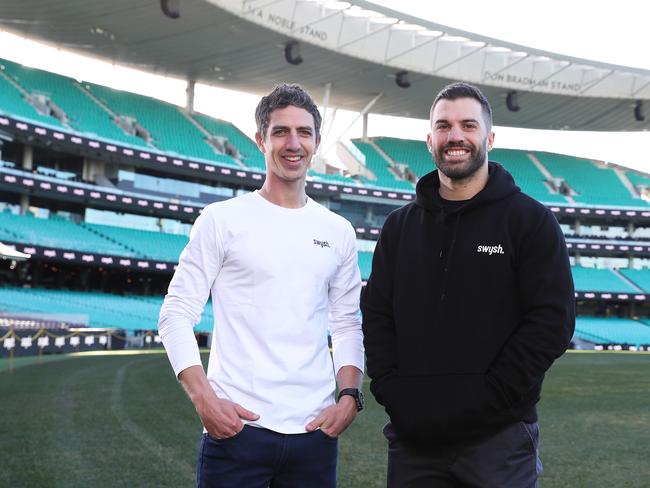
(336, 418)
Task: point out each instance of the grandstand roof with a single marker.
(359, 48)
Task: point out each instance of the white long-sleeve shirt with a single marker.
(278, 277)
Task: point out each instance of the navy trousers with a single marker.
(508, 458)
(261, 458)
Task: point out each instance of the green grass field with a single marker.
(122, 420)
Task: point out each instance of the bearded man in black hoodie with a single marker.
(469, 302)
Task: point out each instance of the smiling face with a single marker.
(288, 144)
(459, 138)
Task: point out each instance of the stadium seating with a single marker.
(416, 155)
(365, 264)
(56, 232)
(603, 280)
(413, 153)
(144, 243)
(595, 185)
(102, 309)
(170, 129)
(250, 154)
(59, 233)
(640, 277)
(638, 179)
(83, 114)
(12, 103)
(527, 176)
(602, 330)
(376, 163)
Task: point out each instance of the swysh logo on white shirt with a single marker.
(321, 243)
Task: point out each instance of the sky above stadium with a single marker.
(587, 29)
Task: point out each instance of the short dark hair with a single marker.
(458, 90)
(282, 96)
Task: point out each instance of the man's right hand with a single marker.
(220, 417)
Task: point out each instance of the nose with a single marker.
(456, 134)
(292, 141)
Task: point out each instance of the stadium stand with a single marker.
(640, 277)
(332, 178)
(527, 176)
(89, 110)
(14, 104)
(170, 129)
(413, 153)
(56, 232)
(128, 312)
(604, 280)
(248, 151)
(81, 112)
(365, 264)
(601, 330)
(143, 243)
(594, 185)
(638, 179)
(376, 163)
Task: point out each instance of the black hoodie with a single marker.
(465, 310)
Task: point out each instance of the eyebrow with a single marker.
(445, 121)
(284, 127)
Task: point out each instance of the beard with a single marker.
(460, 170)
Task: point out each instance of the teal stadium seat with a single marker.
(365, 264)
(144, 243)
(128, 312)
(640, 277)
(170, 129)
(379, 167)
(248, 150)
(527, 176)
(595, 185)
(13, 104)
(332, 178)
(637, 179)
(84, 114)
(58, 233)
(612, 330)
(411, 152)
(601, 280)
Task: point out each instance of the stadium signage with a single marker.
(528, 82)
(83, 257)
(610, 297)
(278, 21)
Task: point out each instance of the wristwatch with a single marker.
(356, 394)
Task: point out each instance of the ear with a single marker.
(260, 142)
(429, 143)
(490, 141)
(317, 144)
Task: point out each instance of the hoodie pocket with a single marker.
(444, 408)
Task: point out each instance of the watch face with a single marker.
(356, 394)
(360, 401)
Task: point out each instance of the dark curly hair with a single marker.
(282, 96)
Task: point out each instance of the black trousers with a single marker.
(507, 459)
